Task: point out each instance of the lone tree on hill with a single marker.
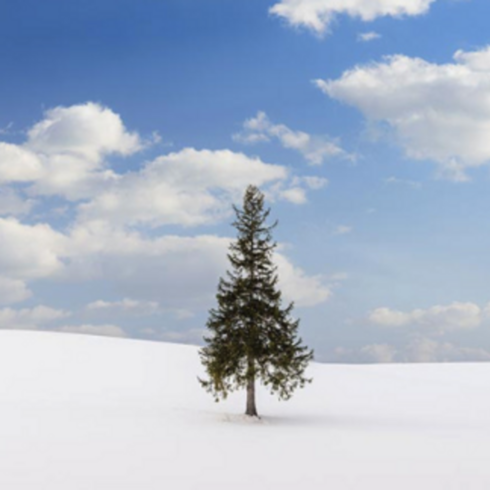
(252, 335)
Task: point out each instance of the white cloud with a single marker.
(72, 143)
(71, 178)
(104, 330)
(66, 155)
(88, 131)
(188, 188)
(296, 195)
(29, 251)
(29, 318)
(297, 286)
(65, 152)
(318, 15)
(18, 164)
(295, 190)
(366, 37)
(176, 272)
(315, 149)
(13, 291)
(179, 273)
(456, 316)
(438, 112)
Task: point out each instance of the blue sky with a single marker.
(127, 130)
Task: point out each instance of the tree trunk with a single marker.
(251, 408)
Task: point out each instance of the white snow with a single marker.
(87, 413)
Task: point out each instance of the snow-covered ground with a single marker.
(81, 412)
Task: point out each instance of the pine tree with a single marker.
(252, 336)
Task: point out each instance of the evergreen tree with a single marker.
(252, 336)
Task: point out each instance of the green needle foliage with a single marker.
(252, 336)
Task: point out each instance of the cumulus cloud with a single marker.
(89, 131)
(456, 316)
(190, 187)
(29, 318)
(18, 164)
(438, 112)
(176, 272)
(72, 178)
(318, 15)
(29, 251)
(65, 152)
(104, 330)
(424, 341)
(111, 238)
(315, 149)
(297, 286)
(295, 190)
(296, 195)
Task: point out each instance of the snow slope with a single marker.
(88, 413)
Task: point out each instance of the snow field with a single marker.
(88, 413)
